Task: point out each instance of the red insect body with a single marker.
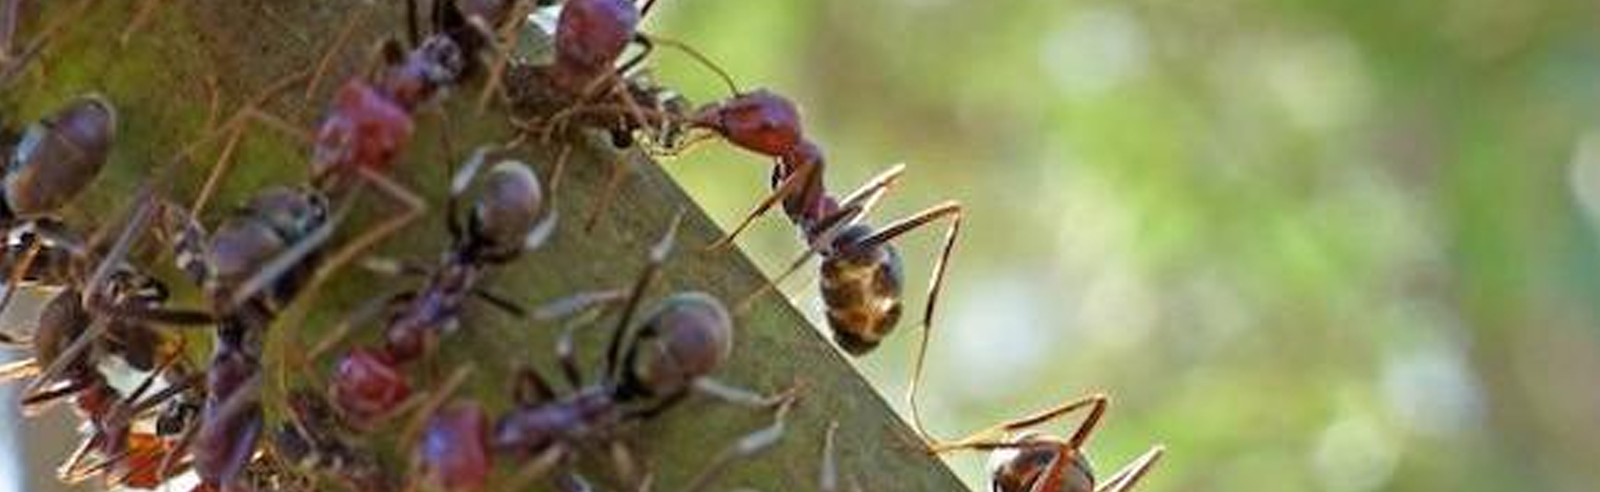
(367, 129)
(366, 385)
(454, 451)
(760, 121)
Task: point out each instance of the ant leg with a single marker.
(994, 437)
(788, 186)
(10, 10)
(649, 41)
(412, 207)
(500, 302)
(619, 171)
(577, 303)
(170, 464)
(502, 56)
(18, 271)
(352, 21)
(363, 314)
(567, 358)
(429, 406)
(141, 16)
(1129, 475)
(36, 403)
(951, 210)
(530, 388)
(828, 479)
(741, 396)
(652, 270)
(33, 394)
(188, 241)
(645, 9)
(20, 369)
(745, 447)
(233, 128)
(460, 180)
(11, 66)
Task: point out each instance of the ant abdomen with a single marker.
(507, 210)
(592, 34)
(1024, 468)
(58, 156)
(861, 286)
(686, 338)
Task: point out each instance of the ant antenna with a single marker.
(697, 56)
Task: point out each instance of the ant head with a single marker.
(1021, 468)
(760, 121)
(454, 453)
(687, 337)
(365, 385)
(592, 34)
(59, 156)
(508, 209)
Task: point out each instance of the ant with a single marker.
(106, 314)
(255, 263)
(504, 222)
(371, 120)
(647, 370)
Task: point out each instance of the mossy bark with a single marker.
(161, 81)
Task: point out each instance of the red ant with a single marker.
(370, 122)
(648, 369)
(368, 384)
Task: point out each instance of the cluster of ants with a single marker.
(109, 344)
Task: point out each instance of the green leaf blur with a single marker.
(1309, 245)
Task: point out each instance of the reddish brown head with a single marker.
(365, 385)
(592, 34)
(761, 121)
(454, 452)
(366, 129)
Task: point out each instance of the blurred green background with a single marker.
(1340, 246)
